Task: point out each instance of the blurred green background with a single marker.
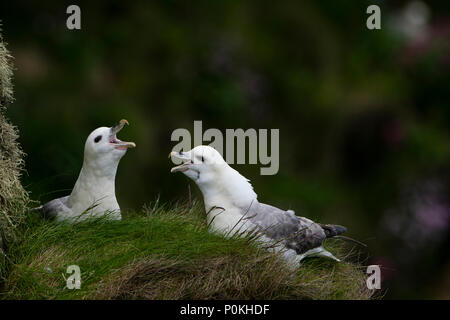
(364, 116)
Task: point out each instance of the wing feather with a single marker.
(55, 207)
(298, 233)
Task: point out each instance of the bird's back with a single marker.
(56, 207)
(298, 233)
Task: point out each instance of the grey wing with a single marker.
(55, 207)
(298, 233)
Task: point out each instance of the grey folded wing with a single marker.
(55, 207)
(297, 233)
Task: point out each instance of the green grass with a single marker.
(165, 253)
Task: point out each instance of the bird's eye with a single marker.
(203, 159)
(97, 139)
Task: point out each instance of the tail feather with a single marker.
(332, 230)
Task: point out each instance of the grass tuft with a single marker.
(165, 252)
(13, 197)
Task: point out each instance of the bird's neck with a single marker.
(95, 183)
(230, 190)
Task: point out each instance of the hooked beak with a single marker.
(183, 156)
(118, 144)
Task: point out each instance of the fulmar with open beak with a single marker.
(232, 207)
(94, 191)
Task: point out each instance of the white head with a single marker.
(200, 164)
(103, 150)
(206, 166)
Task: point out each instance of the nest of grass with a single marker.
(13, 197)
(167, 253)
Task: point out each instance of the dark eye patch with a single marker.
(203, 159)
(97, 139)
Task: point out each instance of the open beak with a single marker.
(183, 156)
(118, 144)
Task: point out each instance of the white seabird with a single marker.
(232, 207)
(94, 192)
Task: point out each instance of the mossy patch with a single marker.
(13, 197)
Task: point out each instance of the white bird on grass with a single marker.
(94, 191)
(232, 207)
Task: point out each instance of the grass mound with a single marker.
(13, 198)
(165, 253)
